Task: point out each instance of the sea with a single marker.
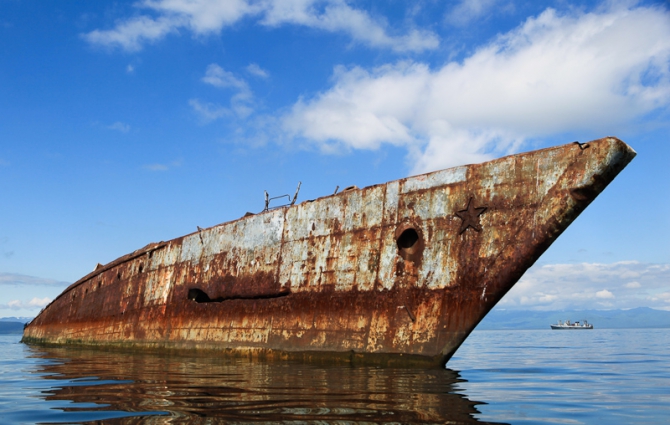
(599, 376)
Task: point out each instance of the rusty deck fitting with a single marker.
(393, 273)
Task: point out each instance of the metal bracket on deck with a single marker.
(291, 201)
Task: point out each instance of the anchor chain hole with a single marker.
(408, 239)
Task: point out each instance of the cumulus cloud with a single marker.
(466, 11)
(256, 70)
(39, 302)
(338, 16)
(132, 34)
(203, 17)
(605, 294)
(219, 77)
(241, 103)
(37, 293)
(591, 285)
(33, 304)
(554, 73)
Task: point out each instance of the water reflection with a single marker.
(187, 389)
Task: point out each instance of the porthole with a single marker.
(407, 239)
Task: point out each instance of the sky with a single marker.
(129, 122)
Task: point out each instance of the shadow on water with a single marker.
(129, 388)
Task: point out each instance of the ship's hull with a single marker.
(394, 273)
(562, 327)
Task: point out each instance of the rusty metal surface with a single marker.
(397, 272)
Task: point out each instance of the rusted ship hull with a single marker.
(394, 273)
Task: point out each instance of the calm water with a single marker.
(599, 376)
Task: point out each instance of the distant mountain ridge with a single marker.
(13, 325)
(10, 328)
(642, 317)
(16, 319)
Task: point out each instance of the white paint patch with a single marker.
(439, 178)
(191, 248)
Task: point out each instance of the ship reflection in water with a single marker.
(130, 388)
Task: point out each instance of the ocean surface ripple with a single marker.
(538, 376)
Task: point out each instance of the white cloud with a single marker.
(37, 293)
(204, 17)
(241, 103)
(39, 302)
(119, 126)
(34, 304)
(209, 111)
(130, 69)
(131, 34)
(219, 77)
(256, 70)
(604, 294)
(555, 73)
(338, 16)
(591, 285)
(467, 11)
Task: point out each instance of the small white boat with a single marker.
(569, 325)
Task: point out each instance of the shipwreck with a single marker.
(395, 273)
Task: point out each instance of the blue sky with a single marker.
(128, 122)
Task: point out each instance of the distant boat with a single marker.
(569, 325)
